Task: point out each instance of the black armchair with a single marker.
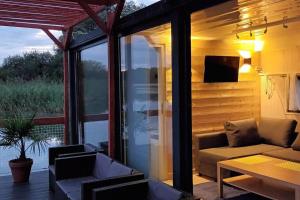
(67, 151)
(140, 190)
(77, 176)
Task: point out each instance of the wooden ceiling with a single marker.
(50, 14)
(244, 15)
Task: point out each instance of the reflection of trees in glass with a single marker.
(95, 87)
(89, 25)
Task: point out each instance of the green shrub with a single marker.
(37, 96)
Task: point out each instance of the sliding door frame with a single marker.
(178, 13)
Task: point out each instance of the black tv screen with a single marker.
(221, 69)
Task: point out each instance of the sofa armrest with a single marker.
(76, 154)
(88, 186)
(55, 151)
(73, 167)
(211, 140)
(136, 190)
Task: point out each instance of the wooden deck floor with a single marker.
(36, 189)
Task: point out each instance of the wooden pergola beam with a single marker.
(33, 21)
(93, 15)
(35, 8)
(67, 37)
(54, 39)
(30, 25)
(93, 2)
(43, 4)
(113, 16)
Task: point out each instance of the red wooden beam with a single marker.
(113, 16)
(67, 37)
(93, 15)
(40, 14)
(43, 4)
(93, 2)
(46, 22)
(30, 25)
(49, 121)
(54, 39)
(83, 17)
(35, 8)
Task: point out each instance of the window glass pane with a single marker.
(147, 106)
(93, 87)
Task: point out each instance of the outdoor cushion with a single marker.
(242, 133)
(160, 191)
(296, 143)
(74, 195)
(215, 155)
(117, 169)
(277, 131)
(69, 185)
(285, 154)
(102, 164)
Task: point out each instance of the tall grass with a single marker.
(38, 96)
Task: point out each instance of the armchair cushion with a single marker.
(102, 164)
(74, 184)
(117, 169)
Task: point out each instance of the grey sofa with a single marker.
(140, 190)
(66, 151)
(77, 176)
(213, 147)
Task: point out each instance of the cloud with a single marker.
(15, 41)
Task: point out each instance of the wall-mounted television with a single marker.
(221, 69)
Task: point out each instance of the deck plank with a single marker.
(37, 188)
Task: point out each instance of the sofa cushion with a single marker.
(215, 155)
(277, 131)
(118, 169)
(242, 132)
(102, 166)
(160, 191)
(285, 154)
(69, 185)
(296, 143)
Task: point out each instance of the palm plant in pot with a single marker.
(17, 133)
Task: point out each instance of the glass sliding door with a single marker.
(147, 106)
(93, 92)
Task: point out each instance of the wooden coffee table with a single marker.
(266, 176)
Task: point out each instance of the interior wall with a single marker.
(281, 55)
(215, 103)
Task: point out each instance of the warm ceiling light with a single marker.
(245, 68)
(258, 45)
(245, 54)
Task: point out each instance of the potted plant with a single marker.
(17, 133)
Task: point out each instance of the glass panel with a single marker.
(147, 106)
(132, 6)
(93, 88)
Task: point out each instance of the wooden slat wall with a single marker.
(215, 103)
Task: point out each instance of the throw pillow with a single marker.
(242, 133)
(296, 144)
(277, 131)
